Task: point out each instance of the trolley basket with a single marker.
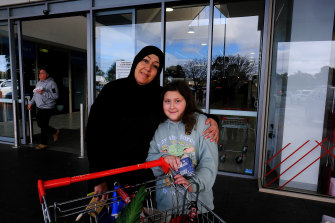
(186, 206)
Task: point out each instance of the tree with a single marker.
(175, 72)
(196, 70)
(111, 72)
(98, 71)
(232, 75)
(5, 74)
(234, 69)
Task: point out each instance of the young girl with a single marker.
(179, 136)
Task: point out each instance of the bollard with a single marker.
(82, 124)
(30, 127)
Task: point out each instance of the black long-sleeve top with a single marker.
(121, 124)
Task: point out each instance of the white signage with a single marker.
(122, 68)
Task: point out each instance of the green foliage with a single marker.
(111, 73)
(131, 213)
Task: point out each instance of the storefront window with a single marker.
(237, 32)
(300, 138)
(119, 36)
(6, 106)
(187, 47)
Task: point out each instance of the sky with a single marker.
(238, 35)
(3, 63)
(117, 42)
(305, 56)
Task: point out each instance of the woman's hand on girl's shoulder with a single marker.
(212, 131)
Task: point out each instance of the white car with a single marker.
(6, 88)
(300, 96)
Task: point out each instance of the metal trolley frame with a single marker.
(235, 123)
(183, 200)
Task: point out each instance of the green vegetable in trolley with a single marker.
(131, 213)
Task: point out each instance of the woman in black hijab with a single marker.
(123, 119)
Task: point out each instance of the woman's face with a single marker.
(174, 105)
(146, 69)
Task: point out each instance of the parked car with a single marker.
(318, 103)
(6, 88)
(300, 96)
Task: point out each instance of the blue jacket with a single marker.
(170, 139)
(47, 100)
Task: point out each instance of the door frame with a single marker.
(15, 101)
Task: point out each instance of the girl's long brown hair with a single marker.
(188, 118)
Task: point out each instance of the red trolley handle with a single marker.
(44, 185)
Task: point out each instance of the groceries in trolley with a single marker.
(126, 203)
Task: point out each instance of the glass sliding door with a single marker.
(235, 68)
(119, 36)
(6, 106)
(236, 59)
(60, 46)
(186, 52)
(300, 139)
(12, 119)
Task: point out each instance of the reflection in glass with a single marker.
(237, 150)
(119, 36)
(301, 99)
(237, 32)
(236, 53)
(6, 109)
(4, 56)
(186, 48)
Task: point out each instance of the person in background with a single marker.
(45, 96)
(123, 120)
(178, 139)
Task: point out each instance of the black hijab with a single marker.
(139, 57)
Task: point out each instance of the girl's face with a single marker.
(174, 105)
(146, 69)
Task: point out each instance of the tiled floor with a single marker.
(69, 138)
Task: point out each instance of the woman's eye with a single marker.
(145, 60)
(167, 101)
(156, 67)
(178, 101)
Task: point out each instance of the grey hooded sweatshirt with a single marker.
(170, 139)
(47, 100)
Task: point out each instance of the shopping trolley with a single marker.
(234, 123)
(186, 206)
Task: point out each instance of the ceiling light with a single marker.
(190, 29)
(44, 50)
(203, 44)
(169, 9)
